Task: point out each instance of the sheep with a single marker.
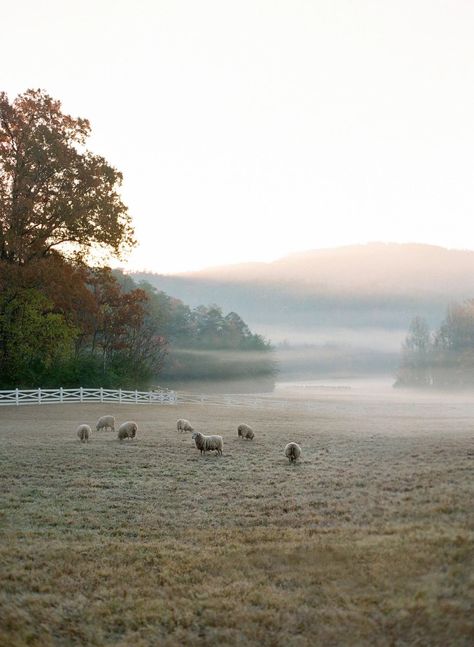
(83, 433)
(208, 443)
(292, 452)
(127, 430)
(244, 431)
(184, 425)
(105, 422)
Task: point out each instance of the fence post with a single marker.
(17, 397)
(120, 395)
(136, 396)
(39, 396)
(101, 393)
(60, 394)
(81, 395)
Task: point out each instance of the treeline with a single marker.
(202, 342)
(69, 324)
(63, 322)
(443, 358)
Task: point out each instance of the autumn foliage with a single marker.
(63, 322)
(54, 193)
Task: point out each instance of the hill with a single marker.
(361, 296)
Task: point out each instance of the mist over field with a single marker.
(346, 309)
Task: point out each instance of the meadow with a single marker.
(368, 540)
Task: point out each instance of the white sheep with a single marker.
(292, 452)
(106, 422)
(244, 431)
(184, 425)
(83, 433)
(127, 430)
(208, 443)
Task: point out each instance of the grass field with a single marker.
(368, 540)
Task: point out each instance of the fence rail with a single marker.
(50, 396)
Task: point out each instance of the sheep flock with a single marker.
(129, 429)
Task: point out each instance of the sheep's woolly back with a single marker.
(245, 431)
(83, 433)
(292, 452)
(184, 425)
(127, 430)
(208, 443)
(105, 422)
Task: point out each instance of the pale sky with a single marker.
(249, 129)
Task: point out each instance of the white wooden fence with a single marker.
(120, 396)
(50, 396)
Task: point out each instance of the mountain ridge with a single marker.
(355, 287)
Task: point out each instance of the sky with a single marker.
(247, 130)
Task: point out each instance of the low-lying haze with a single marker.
(353, 305)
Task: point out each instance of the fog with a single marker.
(361, 298)
(368, 338)
(333, 312)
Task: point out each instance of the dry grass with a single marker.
(367, 541)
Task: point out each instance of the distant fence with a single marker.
(233, 400)
(50, 396)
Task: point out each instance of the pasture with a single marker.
(367, 540)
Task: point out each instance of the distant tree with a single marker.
(457, 330)
(443, 359)
(54, 193)
(454, 343)
(416, 359)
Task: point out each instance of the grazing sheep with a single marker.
(127, 430)
(208, 443)
(83, 432)
(184, 425)
(244, 431)
(292, 452)
(106, 422)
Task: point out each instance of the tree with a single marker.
(125, 334)
(33, 338)
(454, 344)
(415, 366)
(54, 193)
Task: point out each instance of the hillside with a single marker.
(375, 269)
(360, 297)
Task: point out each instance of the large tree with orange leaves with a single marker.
(54, 193)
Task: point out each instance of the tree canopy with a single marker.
(54, 193)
